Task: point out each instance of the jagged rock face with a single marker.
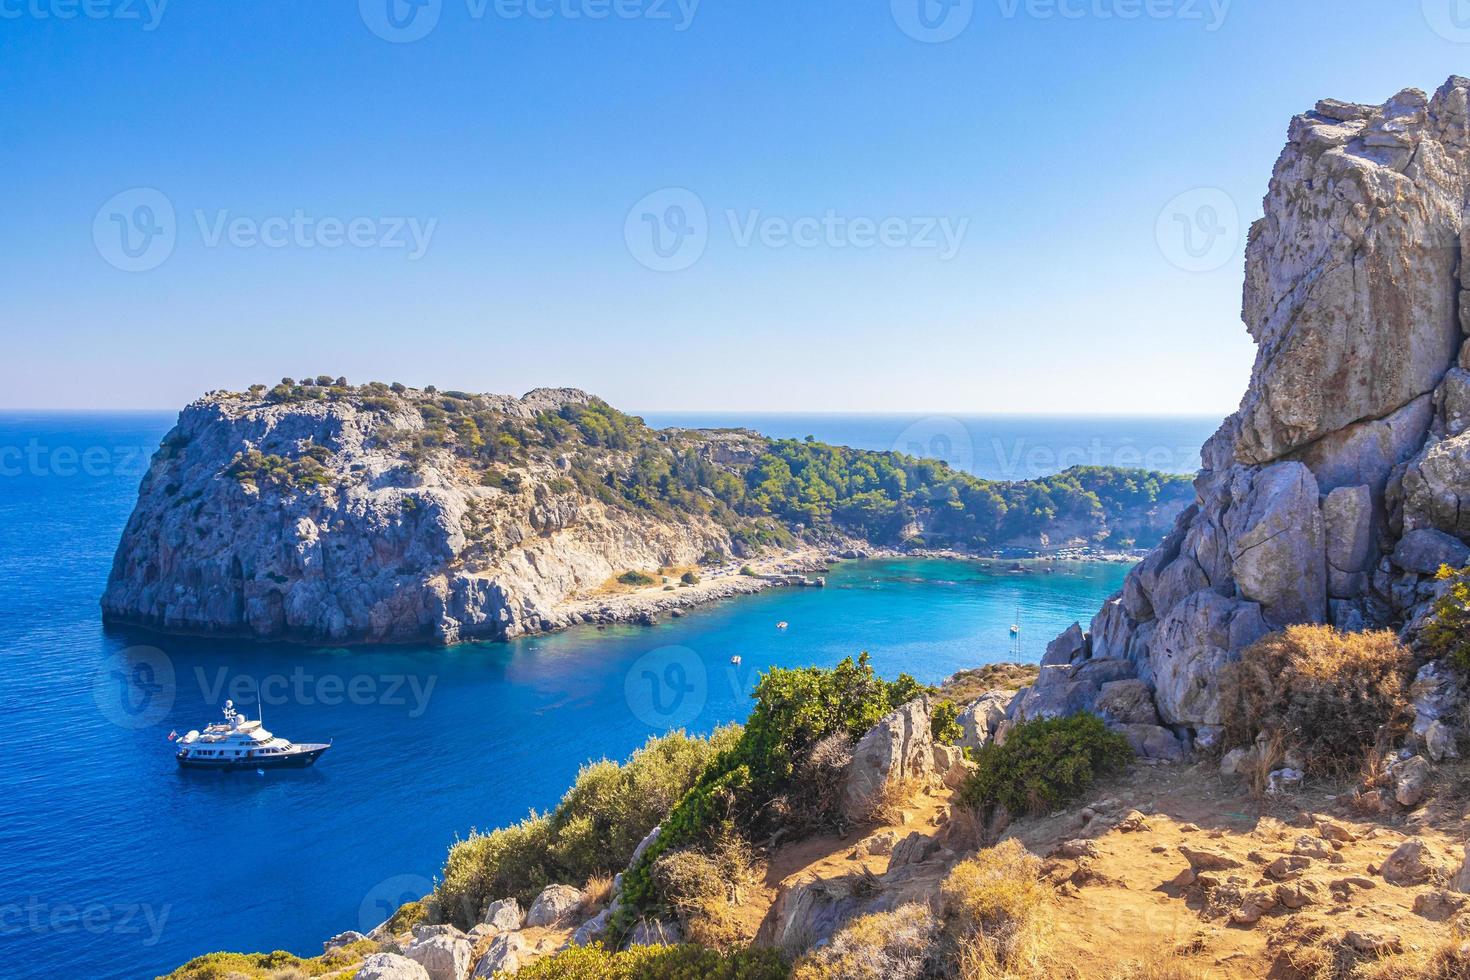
(383, 550)
(1353, 432)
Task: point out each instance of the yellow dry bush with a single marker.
(888, 803)
(997, 909)
(887, 946)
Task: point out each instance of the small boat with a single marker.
(242, 743)
(1016, 626)
(782, 625)
(735, 660)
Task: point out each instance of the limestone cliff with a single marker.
(376, 513)
(1335, 491)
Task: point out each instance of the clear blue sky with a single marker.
(518, 146)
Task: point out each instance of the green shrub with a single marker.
(1043, 764)
(689, 578)
(658, 963)
(270, 966)
(944, 724)
(638, 579)
(1448, 631)
(593, 831)
(407, 915)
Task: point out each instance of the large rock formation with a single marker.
(1336, 489)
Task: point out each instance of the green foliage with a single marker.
(1043, 765)
(689, 578)
(1448, 631)
(944, 724)
(268, 966)
(658, 963)
(408, 915)
(281, 472)
(593, 831)
(638, 579)
(796, 709)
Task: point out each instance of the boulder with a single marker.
(390, 966)
(1436, 486)
(444, 957)
(554, 905)
(1423, 551)
(958, 773)
(342, 939)
(898, 747)
(1154, 742)
(656, 932)
(505, 915)
(1276, 538)
(1440, 742)
(1408, 864)
(945, 756)
(1127, 702)
(1071, 645)
(1236, 762)
(1461, 880)
(593, 929)
(1411, 781)
(1347, 514)
(503, 955)
(1198, 638)
(980, 719)
(916, 848)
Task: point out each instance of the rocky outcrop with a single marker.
(554, 905)
(1335, 492)
(899, 747)
(390, 966)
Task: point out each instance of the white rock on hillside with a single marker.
(555, 904)
(390, 966)
(900, 746)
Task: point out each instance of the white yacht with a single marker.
(240, 743)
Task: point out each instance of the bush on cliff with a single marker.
(1043, 765)
(1448, 631)
(997, 911)
(593, 831)
(270, 966)
(1333, 696)
(658, 963)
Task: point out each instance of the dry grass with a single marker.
(889, 803)
(596, 894)
(1333, 696)
(1266, 758)
(998, 909)
(888, 946)
(967, 685)
(1450, 960)
(706, 887)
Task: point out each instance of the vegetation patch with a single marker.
(265, 470)
(658, 963)
(1333, 696)
(269, 966)
(997, 910)
(893, 945)
(967, 685)
(1448, 632)
(1043, 764)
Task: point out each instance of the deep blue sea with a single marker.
(115, 864)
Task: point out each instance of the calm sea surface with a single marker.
(115, 864)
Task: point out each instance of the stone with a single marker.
(503, 955)
(655, 933)
(1335, 832)
(1237, 761)
(880, 843)
(1411, 781)
(958, 773)
(1347, 514)
(1407, 865)
(443, 957)
(945, 757)
(505, 915)
(1433, 485)
(1461, 881)
(1071, 645)
(554, 905)
(1297, 894)
(1423, 551)
(1439, 904)
(1193, 644)
(593, 929)
(390, 966)
(916, 848)
(1154, 742)
(899, 747)
(1373, 943)
(1435, 697)
(1312, 847)
(1288, 867)
(1077, 848)
(1439, 742)
(1203, 859)
(423, 931)
(1284, 780)
(1127, 702)
(342, 939)
(980, 719)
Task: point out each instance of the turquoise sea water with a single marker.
(116, 864)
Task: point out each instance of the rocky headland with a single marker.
(324, 511)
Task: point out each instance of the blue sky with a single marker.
(870, 219)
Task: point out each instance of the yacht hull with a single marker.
(306, 756)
